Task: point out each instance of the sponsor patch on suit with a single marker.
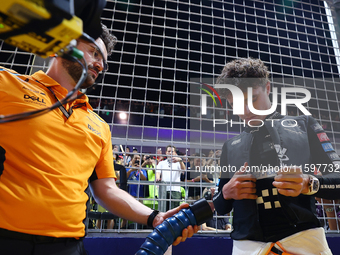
(316, 127)
(334, 156)
(323, 137)
(327, 147)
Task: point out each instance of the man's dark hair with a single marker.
(170, 146)
(109, 40)
(237, 71)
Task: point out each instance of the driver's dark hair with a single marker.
(243, 72)
(244, 68)
(109, 40)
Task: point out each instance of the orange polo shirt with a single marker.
(49, 158)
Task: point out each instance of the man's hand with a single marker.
(218, 153)
(176, 159)
(241, 186)
(158, 177)
(291, 182)
(187, 232)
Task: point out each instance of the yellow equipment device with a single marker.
(45, 27)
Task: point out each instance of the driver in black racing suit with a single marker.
(273, 190)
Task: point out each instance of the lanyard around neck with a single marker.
(66, 113)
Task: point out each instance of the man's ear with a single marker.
(268, 87)
(229, 101)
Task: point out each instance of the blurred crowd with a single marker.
(137, 174)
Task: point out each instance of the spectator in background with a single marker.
(182, 110)
(159, 155)
(137, 106)
(149, 108)
(169, 170)
(121, 173)
(186, 161)
(135, 173)
(119, 105)
(134, 150)
(198, 174)
(115, 150)
(104, 107)
(325, 121)
(215, 222)
(134, 156)
(127, 157)
(212, 163)
(94, 102)
(214, 158)
(161, 111)
(110, 105)
(106, 110)
(191, 162)
(168, 109)
(151, 191)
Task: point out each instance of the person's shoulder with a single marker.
(305, 120)
(299, 117)
(97, 119)
(7, 70)
(9, 76)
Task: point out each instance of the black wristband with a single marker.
(151, 218)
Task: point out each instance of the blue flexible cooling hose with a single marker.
(166, 233)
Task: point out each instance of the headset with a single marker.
(46, 27)
(50, 27)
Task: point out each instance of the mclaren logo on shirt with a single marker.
(34, 99)
(97, 132)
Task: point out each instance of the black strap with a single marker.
(2, 159)
(151, 218)
(276, 250)
(62, 108)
